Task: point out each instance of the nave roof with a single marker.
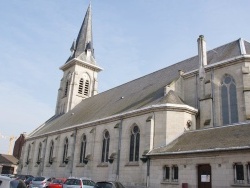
(139, 93)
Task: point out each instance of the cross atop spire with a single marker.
(83, 45)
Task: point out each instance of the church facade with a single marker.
(186, 125)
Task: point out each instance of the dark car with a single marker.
(27, 181)
(23, 177)
(17, 184)
(108, 184)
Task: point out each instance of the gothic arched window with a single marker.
(65, 149)
(28, 154)
(80, 86)
(83, 148)
(229, 100)
(39, 152)
(86, 88)
(105, 146)
(51, 150)
(134, 144)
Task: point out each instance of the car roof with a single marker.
(5, 178)
(82, 178)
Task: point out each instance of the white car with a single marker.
(40, 182)
(7, 182)
(78, 183)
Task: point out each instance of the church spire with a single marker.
(80, 70)
(83, 46)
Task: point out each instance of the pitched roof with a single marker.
(8, 159)
(172, 98)
(213, 139)
(144, 91)
(247, 47)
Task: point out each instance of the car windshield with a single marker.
(39, 179)
(103, 185)
(29, 179)
(57, 181)
(88, 182)
(72, 182)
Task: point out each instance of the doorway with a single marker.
(204, 176)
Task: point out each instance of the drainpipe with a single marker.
(73, 152)
(119, 150)
(212, 88)
(151, 146)
(148, 172)
(196, 92)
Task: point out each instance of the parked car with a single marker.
(57, 183)
(17, 184)
(7, 182)
(23, 177)
(108, 184)
(78, 183)
(27, 181)
(8, 175)
(40, 182)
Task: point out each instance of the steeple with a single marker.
(83, 45)
(80, 70)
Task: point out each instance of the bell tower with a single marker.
(80, 71)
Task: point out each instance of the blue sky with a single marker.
(131, 38)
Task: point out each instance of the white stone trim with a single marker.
(199, 151)
(121, 115)
(218, 64)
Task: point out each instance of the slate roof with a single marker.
(247, 47)
(144, 91)
(8, 159)
(172, 98)
(84, 39)
(213, 139)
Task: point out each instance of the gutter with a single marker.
(167, 106)
(219, 63)
(199, 151)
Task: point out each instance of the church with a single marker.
(186, 125)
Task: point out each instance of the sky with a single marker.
(131, 38)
